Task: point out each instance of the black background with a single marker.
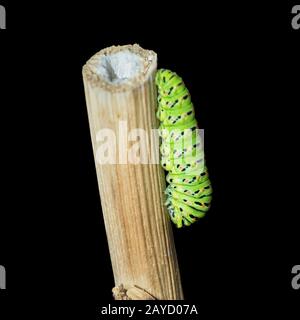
(241, 64)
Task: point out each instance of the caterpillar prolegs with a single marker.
(189, 190)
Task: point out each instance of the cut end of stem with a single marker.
(119, 68)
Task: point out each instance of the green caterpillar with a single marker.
(189, 189)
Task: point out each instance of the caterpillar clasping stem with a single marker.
(189, 192)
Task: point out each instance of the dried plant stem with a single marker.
(138, 229)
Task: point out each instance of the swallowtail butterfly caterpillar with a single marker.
(189, 190)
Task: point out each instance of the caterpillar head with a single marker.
(168, 82)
